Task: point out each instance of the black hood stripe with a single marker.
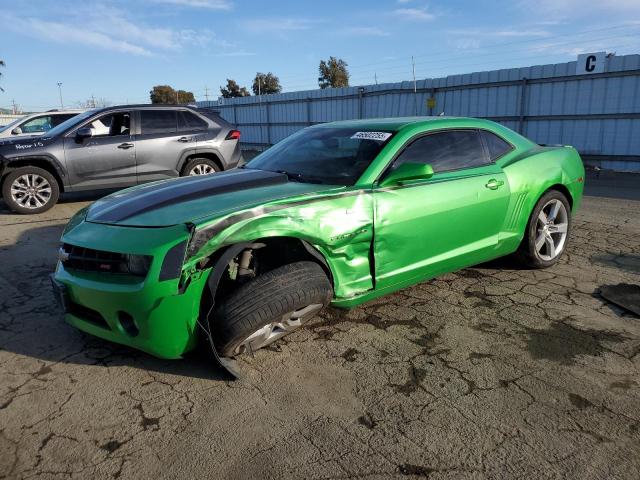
(182, 190)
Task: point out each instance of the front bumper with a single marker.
(147, 314)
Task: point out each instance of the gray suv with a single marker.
(115, 147)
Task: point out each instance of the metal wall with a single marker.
(597, 113)
(6, 119)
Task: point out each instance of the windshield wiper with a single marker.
(299, 177)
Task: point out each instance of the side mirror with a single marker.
(407, 172)
(16, 131)
(83, 133)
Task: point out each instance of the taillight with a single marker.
(233, 135)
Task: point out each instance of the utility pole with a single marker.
(14, 108)
(60, 92)
(259, 85)
(206, 93)
(375, 76)
(93, 101)
(415, 87)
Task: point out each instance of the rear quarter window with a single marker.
(497, 146)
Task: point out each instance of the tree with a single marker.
(2, 64)
(164, 94)
(333, 73)
(233, 90)
(266, 83)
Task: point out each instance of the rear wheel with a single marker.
(269, 307)
(199, 166)
(547, 231)
(30, 190)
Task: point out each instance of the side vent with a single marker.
(517, 210)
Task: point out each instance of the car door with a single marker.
(449, 221)
(107, 159)
(160, 145)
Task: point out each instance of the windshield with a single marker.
(15, 122)
(67, 124)
(335, 156)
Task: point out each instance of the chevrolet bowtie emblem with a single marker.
(62, 255)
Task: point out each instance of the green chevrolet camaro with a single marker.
(337, 213)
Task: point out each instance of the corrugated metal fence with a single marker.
(597, 113)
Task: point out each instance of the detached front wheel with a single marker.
(269, 307)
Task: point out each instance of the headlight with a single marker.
(138, 264)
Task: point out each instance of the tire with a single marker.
(535, 250)
(269, 307)
(203, 165)
(29, 190)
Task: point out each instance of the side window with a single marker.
(37, 125)
(497, 146)
(450, 150)
(158, 121)
(111, 125)
(187, 121)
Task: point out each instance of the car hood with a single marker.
(196, 199)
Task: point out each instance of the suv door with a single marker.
(105, 160)
(446, 222)
(164, 137)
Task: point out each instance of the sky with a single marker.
(118, 50)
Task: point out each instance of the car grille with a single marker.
(89, 260)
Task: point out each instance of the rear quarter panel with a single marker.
(530, 175)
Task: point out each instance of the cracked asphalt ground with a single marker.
(491, 372)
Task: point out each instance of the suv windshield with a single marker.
(67, 124)
(335, 156)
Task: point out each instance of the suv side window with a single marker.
(111, 125)
(158, 121)
(449, 150)
(497, 146)
(37, 125)
(188, 122)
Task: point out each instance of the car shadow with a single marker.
(32, 323)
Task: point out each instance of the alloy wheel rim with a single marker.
(271, 332)
(31, 191)
(551, 230)
(201, 169)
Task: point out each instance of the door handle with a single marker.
(494, 184)
(124, 146)
(183, 139)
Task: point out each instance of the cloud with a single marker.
(109, 29)
(521, 33)
(209, 4)
(278, 25)
(415, 14)
(364, 32)
(581, 8)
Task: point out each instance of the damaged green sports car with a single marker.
(337, 213)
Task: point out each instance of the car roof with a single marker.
(156, 105)
(397, 123)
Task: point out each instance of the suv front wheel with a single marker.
(199, 166)
(30, 190)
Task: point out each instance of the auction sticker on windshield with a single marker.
(379, 136)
